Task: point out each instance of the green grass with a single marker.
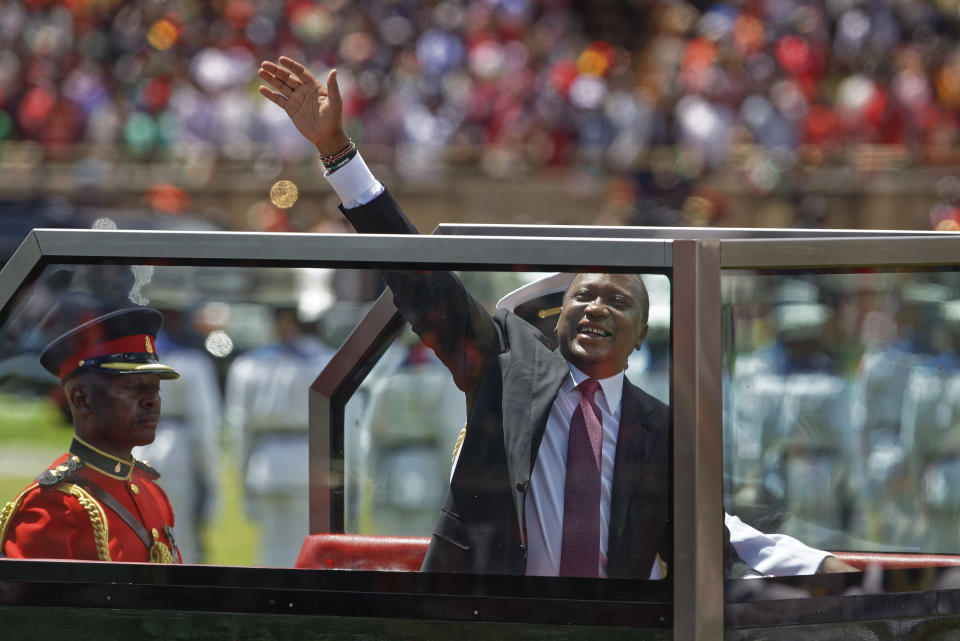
(33, 421)
(33, 432)
(230, 539)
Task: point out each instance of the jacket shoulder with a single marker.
(147, 469)
(518, 333)
(59, 472)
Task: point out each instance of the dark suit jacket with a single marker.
(510, 378)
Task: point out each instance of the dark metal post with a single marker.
(698, 441)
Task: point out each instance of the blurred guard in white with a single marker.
(266, 409)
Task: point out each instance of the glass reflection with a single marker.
(231, 443)
(841, 407)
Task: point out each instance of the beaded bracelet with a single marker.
(340, 162)
(333, 158)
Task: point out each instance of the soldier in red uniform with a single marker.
(96, 502)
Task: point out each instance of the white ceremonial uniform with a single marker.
(266, 408)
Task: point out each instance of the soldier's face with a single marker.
(601, 322)
(126, 410)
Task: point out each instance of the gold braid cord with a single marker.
(159, 553)
(7, 514)
(98, 519)
(456, 448)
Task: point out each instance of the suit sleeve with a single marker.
(440, 311)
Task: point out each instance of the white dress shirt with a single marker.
(544, 499)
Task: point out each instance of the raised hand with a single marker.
(315, 110)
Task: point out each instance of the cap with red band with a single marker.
(121, 342)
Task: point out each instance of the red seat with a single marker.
(405, 554)
(363, 552)
(897, 560)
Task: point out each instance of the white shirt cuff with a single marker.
(354, 183)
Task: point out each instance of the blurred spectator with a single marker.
(512, 85)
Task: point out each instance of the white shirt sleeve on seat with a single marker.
(773, 554)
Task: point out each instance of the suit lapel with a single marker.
(530, 386)
(631, 478)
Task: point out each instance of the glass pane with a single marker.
(231, 445)
(842, 403)
(232, 442)
(403, 423)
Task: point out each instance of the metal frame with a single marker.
(200, 248)
(697, 266)
(328, 393)
(669, 233)
(611, 603)
(941, 249)
(696, 403)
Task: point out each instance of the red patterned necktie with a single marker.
(580, 551)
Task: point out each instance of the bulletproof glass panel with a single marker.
(232, 440)
(280, 428)
(841, 413)
(405, 422)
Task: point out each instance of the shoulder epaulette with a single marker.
(61, 472)
(147, 469)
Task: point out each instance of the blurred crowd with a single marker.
(658, 91)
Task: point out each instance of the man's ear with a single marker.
(642, 336)
(78, 396)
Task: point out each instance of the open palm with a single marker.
(315, 110)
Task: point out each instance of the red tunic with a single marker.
(60, 521)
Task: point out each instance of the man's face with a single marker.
(125, 411)
(601, 322)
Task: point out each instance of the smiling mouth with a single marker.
(594, 331)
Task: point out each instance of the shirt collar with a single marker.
(612, 386)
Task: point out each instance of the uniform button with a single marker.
(521, 487)
(134, 489)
